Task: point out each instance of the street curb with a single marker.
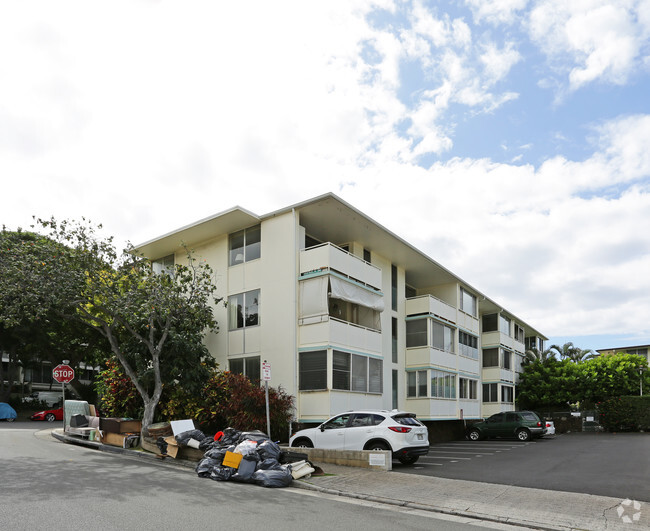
(301, 484)
(420, 507)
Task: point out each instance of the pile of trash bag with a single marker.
(247, 457)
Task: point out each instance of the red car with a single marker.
(49, 414)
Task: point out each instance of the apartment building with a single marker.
(349, 315)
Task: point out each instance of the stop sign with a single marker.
(63, 373)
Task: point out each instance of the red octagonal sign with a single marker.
(63, 373)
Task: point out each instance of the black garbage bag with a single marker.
(162, 445)
(273, 478)
(292, 457)
(256, 435)
(222, 473)
(268, 464)
(246, 469)
(208, 443)
(205, 466)
(230, 436)
(182, 438)
(268, 450)
(216, 453)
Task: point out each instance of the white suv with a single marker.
(397, 431)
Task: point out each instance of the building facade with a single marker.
(351, 316)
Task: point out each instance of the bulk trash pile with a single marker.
(247, 457)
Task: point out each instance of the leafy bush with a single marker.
(225, 400)
(625, 412)
(117, 394)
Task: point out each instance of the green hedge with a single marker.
(625, 413)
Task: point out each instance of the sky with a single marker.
(507, 139)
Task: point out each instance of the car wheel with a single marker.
(474, 435)
(302, 443)
(408, 460)
(523, 435)
(378, 447)
(10, 420)
(50, 417)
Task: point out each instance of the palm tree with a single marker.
(570, 352)
(534, 354)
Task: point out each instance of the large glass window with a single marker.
(416, 333)
(341, 371)
(443, 385)
(312, 368)
(394, 339)
(442, 337)
(490, 357)
(164, 265)
(519, 333)
(490, 322)
(507, 359)
(467, 388)
(507, 394)
(416, 384)
(468, 302)
(468, 345)
(243, 310)
(393, 287)
(359, 373)
(395, 389)
(375, 376)
(490, 392)
(244, 245)
(352, 372)
(249, 367)
(505, 325)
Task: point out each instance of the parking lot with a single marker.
(604, 464)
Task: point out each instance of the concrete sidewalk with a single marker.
(531, 508)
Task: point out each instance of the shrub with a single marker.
(225, 400)
(625, 412)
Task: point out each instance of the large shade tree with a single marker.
(153, 323)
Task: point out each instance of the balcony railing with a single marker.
(328, 256)
(428, 304)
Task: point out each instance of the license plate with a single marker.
(420, 436)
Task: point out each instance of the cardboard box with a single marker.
(122, 440)
(172, 446)
(113, 425)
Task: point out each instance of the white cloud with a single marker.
(496, 11)
(592, 40)
(214, 106)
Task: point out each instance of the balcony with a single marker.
(428, 304)
(331, 331)
(330, 257)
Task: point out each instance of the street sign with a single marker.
(266, 371)
(63, 373)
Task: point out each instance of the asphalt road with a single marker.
(46, 484)
(604, 464)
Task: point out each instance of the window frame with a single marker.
(242, 316)
(251, 246)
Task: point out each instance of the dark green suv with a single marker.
(524, 425)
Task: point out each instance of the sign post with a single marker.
(63, 374)
(266, 376)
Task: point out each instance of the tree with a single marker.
(153, 323)
(554, 383)
(571, 352)
(534, 354)
(30, 330)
